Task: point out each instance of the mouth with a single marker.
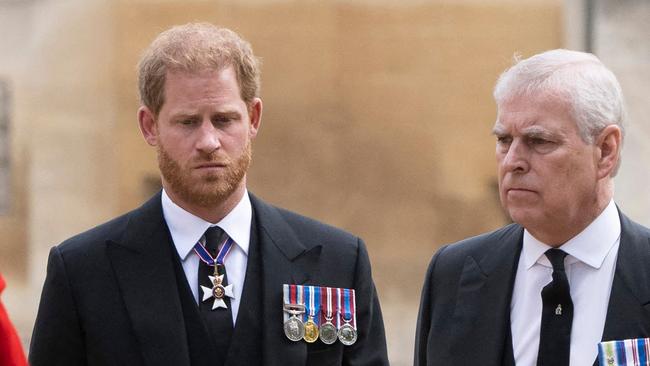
(210, 166)
(520, 193)
(519, 190)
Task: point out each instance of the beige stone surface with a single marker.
(622, 42)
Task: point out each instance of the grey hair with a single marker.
(593, 94)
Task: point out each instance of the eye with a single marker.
(542, 145)
(221, 119)
(188, 121)
(538, 141)
(504, 140)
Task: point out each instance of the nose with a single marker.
(208, 139)
(515, 158)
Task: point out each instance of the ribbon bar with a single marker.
(628, 352)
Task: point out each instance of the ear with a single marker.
(148, 125)
(255, 115)
(609, 146)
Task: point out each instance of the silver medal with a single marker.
(294, 328)
(328, 333)
(347, 334)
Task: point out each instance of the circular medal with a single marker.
(311, 331)
(294, 329)
(347, 334)
(218, 291)
(328, 333)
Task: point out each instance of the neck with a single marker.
(556, 235)
(211, 213)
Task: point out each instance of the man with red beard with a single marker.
(572, 273)
(197, 275)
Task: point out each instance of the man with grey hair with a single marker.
(572, 270)
(205, 273)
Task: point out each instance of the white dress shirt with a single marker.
(187, 229)
(590, 265)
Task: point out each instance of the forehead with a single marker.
(207, 78)
(536, 113)
(204, 87)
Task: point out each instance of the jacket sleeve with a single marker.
(57, 338)
(370, 348)
(424, 316)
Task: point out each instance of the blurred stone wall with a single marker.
(622, 41)
(377, 119)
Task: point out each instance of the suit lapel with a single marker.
(245, 346)
(628, 313)
(482, 310)
(142, 261)
(285, 260)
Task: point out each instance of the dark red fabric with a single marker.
(11, 351)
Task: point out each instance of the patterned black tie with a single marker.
(557, 315)
(219, 320)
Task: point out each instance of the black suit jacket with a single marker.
(111, 298)
(465, 306)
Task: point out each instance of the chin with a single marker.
(519, 216)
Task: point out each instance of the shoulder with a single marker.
(630, 227)
(89, 246)
(305, 226)
(477, 245)
(285, 225)
(452, 256)
(109, 230)
(94, 240)
(143, 219)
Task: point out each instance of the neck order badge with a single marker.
(218, 290)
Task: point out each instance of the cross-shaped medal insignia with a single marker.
(218, 291)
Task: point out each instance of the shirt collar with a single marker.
(186, 229)
(591, 246)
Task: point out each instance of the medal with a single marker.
(325, 313)
(328, 334)
(624, 352)
(294, 305)
(218, 291)
(311, 328)
(347, 332)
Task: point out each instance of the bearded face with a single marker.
(203, 134)
(209, 187)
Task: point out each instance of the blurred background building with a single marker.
(377, 119)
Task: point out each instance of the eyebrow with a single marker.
(227, 113)
(536, 131)
(531, 131)
(183, 115)
(498, 129)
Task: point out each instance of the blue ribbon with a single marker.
(347, 313)
(207, 258)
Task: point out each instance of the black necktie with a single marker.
(557, 315)
(219, 320)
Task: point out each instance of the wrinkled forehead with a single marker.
(535, 116)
